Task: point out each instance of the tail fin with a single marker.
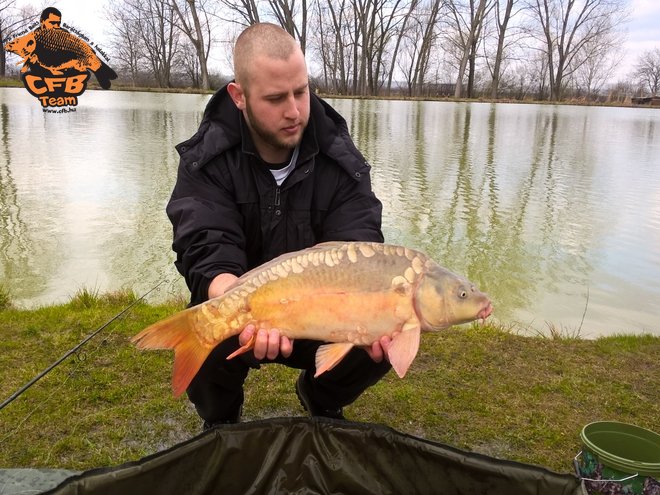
(104, 74)
(174, 333)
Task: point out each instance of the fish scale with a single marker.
(343, 293)
(63, 45)
(58, 39)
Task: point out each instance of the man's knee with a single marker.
(348, 380)
(217, 389)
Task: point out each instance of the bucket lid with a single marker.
(627, 448)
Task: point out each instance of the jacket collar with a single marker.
(218, 131)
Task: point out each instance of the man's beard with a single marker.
(269, 137)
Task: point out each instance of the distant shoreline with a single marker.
(16, 83)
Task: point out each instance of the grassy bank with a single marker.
(8, 82)
(477, 388)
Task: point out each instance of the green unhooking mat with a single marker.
(317, 456)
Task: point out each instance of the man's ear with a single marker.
(236, 92)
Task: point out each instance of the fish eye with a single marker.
(463, 294)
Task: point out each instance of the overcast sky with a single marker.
(643, 30)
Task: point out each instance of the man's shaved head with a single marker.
(261, 39)
(271, 89)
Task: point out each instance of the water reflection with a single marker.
(25, 259)
(86, 200)
(550, 209)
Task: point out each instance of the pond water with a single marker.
(552, 210)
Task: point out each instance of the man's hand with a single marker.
(378, 350)
(268, 343)
(220, 284)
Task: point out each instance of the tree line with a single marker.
(540, 49)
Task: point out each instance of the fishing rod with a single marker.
(20, 391)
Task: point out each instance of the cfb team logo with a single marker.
(57, 63)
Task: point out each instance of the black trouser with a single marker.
(217, 389)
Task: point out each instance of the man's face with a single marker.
(276, 104)
(51, 22)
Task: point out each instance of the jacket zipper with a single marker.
(277, 196)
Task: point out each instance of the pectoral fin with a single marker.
(403, 349)
(248, 346)
(328, 355)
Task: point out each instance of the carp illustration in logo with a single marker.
(49, 50)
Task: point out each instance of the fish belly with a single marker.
(356, 317)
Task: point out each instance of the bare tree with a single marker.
(334, 40)
(408, 53)
(539, 75)
(620, 91)
(322, 42)
(567, 27)
(387, 19)
(319, 40)
(364, 12)
(427, 43)
(193, 20)
(188, 59)
(156, 39)
(418, 42)
(401, 32)
(468, 19)
(504, 11)
(286, 14)
(366, 15)
(601, 59)
(126, 38)
(242, 12)
(354, 39)
(373, 28)
(647, 70)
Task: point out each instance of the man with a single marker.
(271, 170)
(51, 18)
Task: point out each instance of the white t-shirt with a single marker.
(282, 173)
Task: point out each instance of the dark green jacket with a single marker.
(228, 213)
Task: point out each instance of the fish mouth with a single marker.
(485, 311)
